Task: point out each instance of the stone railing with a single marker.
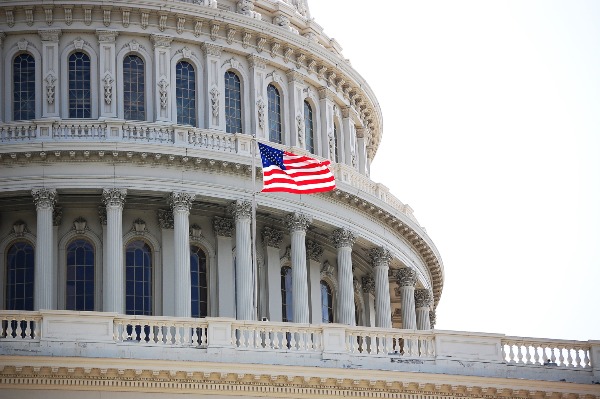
(20, 326)
(545, 352)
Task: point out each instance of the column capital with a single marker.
(423, 298)
(380, 256)
(223, 227)
(368, 284)
(180, 201)
(241, 209)
(255, 61)
(161, 40)
(343, 238)
(432, 318)
(106, 36)
(114, 197)
(297, 221)
(272, 237)
(211, 49)
(165, 219)
(50, 35)
(406, 277)
(102, 214)
(57, 215)
(44, 198)
(314, 250)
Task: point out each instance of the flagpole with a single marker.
(254, 265)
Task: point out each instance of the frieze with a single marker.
(272, 237)
(44, 198)
(212, 49)
(161, 40)
(297, 221)
(50, 35)
(343, 238)
(107, 36)
(223, 226)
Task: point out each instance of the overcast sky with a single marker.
(491, 115)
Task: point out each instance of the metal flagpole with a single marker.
(254, 265)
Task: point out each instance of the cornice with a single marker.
(39, 372)
(188, 22)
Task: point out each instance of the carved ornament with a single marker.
(80, 225)
(114, 197)
(161, 40)
(272, 237)
(380, 256)
(368, 284)
(241, 209)
(165, 219)
(423, 298)
(57, 215)
(107, 36)
(44, 198)
(343, 238)
(223, 226)
(212, 49)
(297, 221)
(19, 228)
(181, 202)
(406, 277)
(314, 250)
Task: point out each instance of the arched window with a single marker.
(309, 127)
(138, 279)
(199, 282)
(23, 87)
(233, 103)
(274, 114)
(80, 96)
(134, 100)
(185, 93)
(80, 276)
(19, 277)
(335, 142)
(287, 306)
(326, 303)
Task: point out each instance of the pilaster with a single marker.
(51, 95)
(169, 286)
(214, 87)
(258, 96)
(298, 223)
(244, 273)
(2, 102)
(181, 204)
(108, 73)
(223, 228)
(326, 97)
(380, 260)
(272, 239)
(113, 286)
(296, 109)
(361, 149)
(343, 239)
(44, 292)
(162, 77)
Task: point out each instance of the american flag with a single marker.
(290, 173)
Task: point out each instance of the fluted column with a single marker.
(343, 240)
(422, 306)
(380, 259)
(407, 278)
(113, 287)
(45, 294)
(181, 204)
(244, 278)
(298, 223)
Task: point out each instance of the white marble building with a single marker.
(126, 142)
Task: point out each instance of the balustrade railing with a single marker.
(374, 341)
(20, 326)
(542, 352)
(277, 336)
(161, 331)
(79, 130)
(159, 134)
(17, 132)
(211, 140)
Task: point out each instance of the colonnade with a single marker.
(416, 303)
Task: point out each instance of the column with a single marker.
(272, 239)
(346, 140)
(361, 149)
(108, 73)
(50, 73)
(244, 276)
(314, 251)
(113, 287)
(343, 240)
(181, 204)
(162, 78)
(56, 222)
(44, 291)
(102, 218)
(296, 109)
(423, 301)
(166, 224)
(3, 99)
(258, 97)
(298, 223)
(368, 292)
(326, 109)
(407, 278)
(380, 260)
(223, 229)
(214, 87)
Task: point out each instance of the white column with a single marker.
(162, 78)
(423, 301)
(272, 239)
(56, 221)
(50, 73)
(296, 109)
(223, 229)
(380, 259)
(113, 287)
(165, 221)
(181, 204)
(45, 292)
(314, 251)
(244, 277)
(298, 223)
(213, 86)
(108, 73)
(343, 240)
(407, 278)
(258, 97)
(326, 109)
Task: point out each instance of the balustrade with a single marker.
(161, 331)
(211, 140)
(148, 133)
(20, 326)
(571, 354)
(277, 337)
(405, 343)
(79, 130)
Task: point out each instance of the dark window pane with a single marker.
(287, 306)
(199, 282)
(80, 101)
(19, 276)
(23, 87)
(233, 103)
(274, 114)
(185, 93)
(80, 275)
(133, 88)
(138, 279)
(309, 127)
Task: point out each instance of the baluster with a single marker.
(561, 357)
(527, 349)
(160, 336)
(577, 358)
(586, 359)
(519, 353)
(178, 337)
(536, 354)
(552, 355)
(570, 357)
(544, 354)
(27, 329)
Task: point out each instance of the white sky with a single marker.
(491, 114)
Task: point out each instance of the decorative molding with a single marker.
(214, 101)
(246, 36)
(246, 7)
(297, 221)
(432, 318)
(139, 226)
(126, 12)
(212, 49)
(223, 226)
(106, 15)
(165, 219)
(241, 209)
(102, 215)
(48, 11)
(180, 201)
(19, 228)
(198, 28)
(163, 91)
(272, 237)
(22, 45)
(406, 277)
(260, 108)
(196, 232)
(28, 15)
(50, 87)
(10, 17)
(300, 127)
(44, 198)
(162, 21)
(231, 29)
(114, 197)
(214, 30)
(327, 270)
(80, 225)
(108, 86)
(314, 250)
(107, 36)
(161, 40)
(145, 15)
(275, 44)
(343, 238)
(233, 63)
(87, 15)
(180, 24)
(255, 61)
(357, 284)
